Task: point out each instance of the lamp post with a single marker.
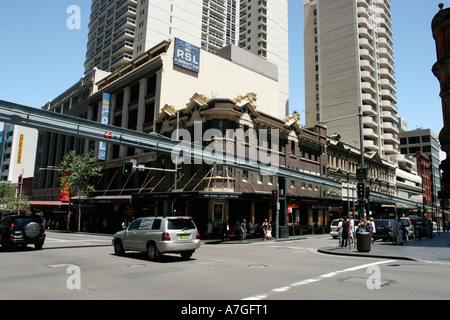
(361, 146)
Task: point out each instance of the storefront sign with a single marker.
(186, 56)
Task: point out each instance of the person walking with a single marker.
(339, 230)
(345, 228)
(269, 231)
(393, 225)
(243, 230)
(265, 226)
(372, 230)
(400, 229)
(225, 229)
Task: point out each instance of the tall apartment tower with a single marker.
(122, 30)
(349, 63)
(263, 30)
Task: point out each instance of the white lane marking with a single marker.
(316, 279)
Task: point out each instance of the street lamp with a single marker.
(361, 146)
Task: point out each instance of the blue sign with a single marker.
(186, 56)
(102, 147)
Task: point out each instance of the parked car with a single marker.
(333, 228)
(22, 230)
(382, 230)
(158, 235)
(409, 227)
(420, 229)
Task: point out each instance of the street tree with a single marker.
(9, 201)
(76, 176)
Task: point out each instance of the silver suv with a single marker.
(158, 235)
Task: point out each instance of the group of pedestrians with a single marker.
(397, 230)
(242, 229)
(347, 229)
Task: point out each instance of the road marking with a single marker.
(316, 279)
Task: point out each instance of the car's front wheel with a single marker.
(118, 248)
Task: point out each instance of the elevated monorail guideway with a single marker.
(69, 125)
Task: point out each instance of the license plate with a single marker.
(184, 236)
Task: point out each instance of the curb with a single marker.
(361, 254)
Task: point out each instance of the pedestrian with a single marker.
(372, 230)
(237, 230)
(264, 228)
(339, 230)
(400, 232)
(209, 229)
(269, 232)
(393, 225)
(225, 229)
(351, 229)
(243, 229)
(361, 226)
(251, 227)
(345, 230)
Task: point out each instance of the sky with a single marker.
(41, 56)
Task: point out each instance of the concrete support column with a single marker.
(125, 116)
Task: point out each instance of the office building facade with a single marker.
(349, 64)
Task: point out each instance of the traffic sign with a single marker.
(361, 174)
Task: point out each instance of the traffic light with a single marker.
(128, 168)
(274, 195)
(361, 190)
(175, 208)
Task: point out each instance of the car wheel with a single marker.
(32, 230)
(152, 251)
(38, 245)
(5, 245)
(118, 248)
(186, 255)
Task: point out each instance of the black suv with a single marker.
(22, 230)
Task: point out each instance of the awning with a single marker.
(49, 203)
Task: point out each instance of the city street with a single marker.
(84, 267)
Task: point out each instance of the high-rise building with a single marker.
(427, 142)
(17, 152)
(349, 63)
(122, 30)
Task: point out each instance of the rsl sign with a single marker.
(186, 55)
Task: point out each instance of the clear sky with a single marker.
(41, 57)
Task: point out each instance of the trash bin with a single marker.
(284, 232)
(363, 241)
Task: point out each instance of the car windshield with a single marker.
(184, 224)
(335, 223)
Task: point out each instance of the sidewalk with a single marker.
(436, 249)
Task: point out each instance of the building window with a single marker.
(245, 175)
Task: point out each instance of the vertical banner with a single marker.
(20, 149)
(102, 146)
(65, 190)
